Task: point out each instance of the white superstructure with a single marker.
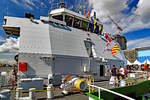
(59, 44)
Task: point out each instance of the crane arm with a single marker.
(119, 28)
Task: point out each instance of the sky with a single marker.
(133, 16)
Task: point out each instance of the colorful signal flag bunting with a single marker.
(115, 49)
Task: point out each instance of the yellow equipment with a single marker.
(90, 80)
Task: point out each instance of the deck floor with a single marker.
(59, 96)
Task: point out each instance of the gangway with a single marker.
(100, 88)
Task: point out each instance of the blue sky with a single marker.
(144, 53)
(133, 16)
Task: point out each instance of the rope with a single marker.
(69, 89)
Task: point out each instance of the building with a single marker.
(140, 54)
(121, 40)
(130, 54)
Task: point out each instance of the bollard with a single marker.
(32, 94)
(18, 94)
(64, 92)
(2, 96)
(50, 94)
(5, 94)
(3, 78)
(122, 83)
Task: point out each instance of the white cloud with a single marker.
(11, 45)
(111, 8)
(143, 9)
(108, 7)
(136, 20)
(1, 39)
(144, 42)
(29, 4)
(15, 1)
(139, 17)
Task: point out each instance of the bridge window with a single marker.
(76, 23)
(84, 25)
(90, 27)
(68, 20)
(58, 17)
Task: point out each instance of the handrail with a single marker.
(100, 88)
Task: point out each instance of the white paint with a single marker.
(124, 96)
(90, 98)
(122, 83)
(50, 94)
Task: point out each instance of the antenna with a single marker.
(7, 9)
(62, 5)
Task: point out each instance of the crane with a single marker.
(118, 27)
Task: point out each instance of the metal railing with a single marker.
(100, 88)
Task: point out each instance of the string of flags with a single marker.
(115, 47)
(108, 37)
(98, 29)
(95, 28)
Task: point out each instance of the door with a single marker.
(102, 73)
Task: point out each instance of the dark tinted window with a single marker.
(58, 17)
(90, 27)
(76, 23)
(68, 20)
(84, 25)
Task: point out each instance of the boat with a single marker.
(61, 44)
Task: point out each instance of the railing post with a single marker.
(50, 93)
(32, 94)
(113, 92)
(18, 93)
(89, 88)
(99, 93)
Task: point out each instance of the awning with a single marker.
(146, 62)
(136, 63)
(128, 62)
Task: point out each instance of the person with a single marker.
(88, 14)
(127, 67)
(126, 72)
(145, 67)
(14, 75)
(135, 68)
(113, 79)
(121, 72)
